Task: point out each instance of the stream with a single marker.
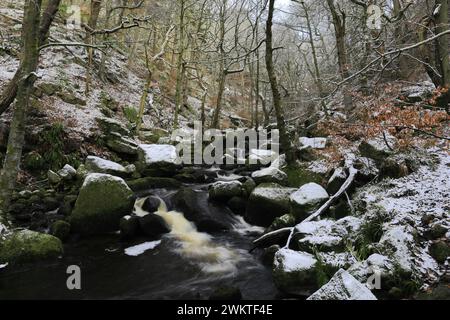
(185, 264)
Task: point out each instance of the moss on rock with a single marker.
(28, 246)
(102, 202)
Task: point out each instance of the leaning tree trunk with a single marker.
(284, 139)
(30, 58)
(10, 92)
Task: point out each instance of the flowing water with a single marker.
(185, 264)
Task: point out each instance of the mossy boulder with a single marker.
(288, 220)
(297, 177)
(267, 202)
(440, 251)
(71, 98)
(224, 191)
(60, 229)
(294, 272)
(25, 246)
(102, 202)
(49, 88)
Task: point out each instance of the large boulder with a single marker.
(109, 126)
(271, 174)
(267, 202)
(207, 216)
(102, 202)
(99, 165)
(307, 199)
(224, 191)
(294, 272)
(28, 246)
(343, 286)
(157, 160)
(153, 225)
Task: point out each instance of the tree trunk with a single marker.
(180, 64)
(96, 6)
(30, 59)
(284, 139)
(10, 92)
(442, 48)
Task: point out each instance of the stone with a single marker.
(109, 126)
(285, 221)
(224, 191)
(67, 173)
(99, 165)
(343, 286)
(294, 272)
(119, 144)
(307, 199)
(267, 202)
(102, 202)
(440, 251)
(157, 160)
(268, 255)
(71, 98)
(153, 225)
(207, 216)
(315, 143)
(151, 204)
(268, 175)
(25, 246)
(391, 168)
(129, 227)
(238, 205)
(418, 93)
(61, 230)
(53, 177)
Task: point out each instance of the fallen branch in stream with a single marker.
(275, 236)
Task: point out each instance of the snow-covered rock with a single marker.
(307, 199)
(121, 145)
(264, 157)
(67, 172)
(223, 191)
(267, 202)
(315, 143)
(398, 243)
(324, 243)
(157, 158)
(343, 286)
(271, 174)
(99, 165)
(375, 264)
(336, 260)
(294, 272)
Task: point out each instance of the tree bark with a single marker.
(30, 59)
(284, 139)
(10, 92)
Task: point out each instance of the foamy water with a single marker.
(197, 247)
